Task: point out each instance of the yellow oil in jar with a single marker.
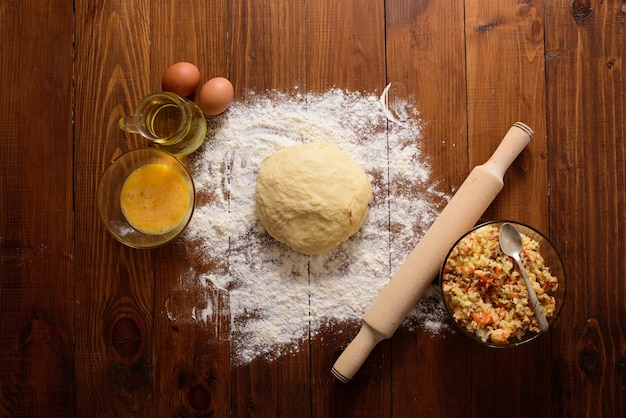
(171, 123)
(165, 120)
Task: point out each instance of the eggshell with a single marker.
(181, 78)
(215, 96)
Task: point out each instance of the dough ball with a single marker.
(312, 197)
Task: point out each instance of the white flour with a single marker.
(277, 297)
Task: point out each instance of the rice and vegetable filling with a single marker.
(486, 292)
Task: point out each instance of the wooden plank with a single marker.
(266, 53)
(267, 46)
(189, 30)
(345, 45)
(506, 83)
(345, 49)
(36, 306)
(585, 44)
(424, 40)
(191, 352)
(114, 284)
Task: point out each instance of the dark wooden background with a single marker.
(80, 329)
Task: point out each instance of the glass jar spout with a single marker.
(129, 124)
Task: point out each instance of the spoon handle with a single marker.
(539, 314)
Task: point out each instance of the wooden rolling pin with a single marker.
(408, 284)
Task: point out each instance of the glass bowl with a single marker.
(485, 294)
(158, 199)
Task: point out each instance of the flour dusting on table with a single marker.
(279, 297)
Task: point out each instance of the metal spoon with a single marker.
(511, 245)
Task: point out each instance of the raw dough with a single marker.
(312, 196)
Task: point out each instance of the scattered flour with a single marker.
(279, 297)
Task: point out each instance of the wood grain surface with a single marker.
(82, 329)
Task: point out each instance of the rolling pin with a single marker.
(410, 281)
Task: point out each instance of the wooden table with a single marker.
(81, 329)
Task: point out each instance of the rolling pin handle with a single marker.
(353, 357)
(515, 140)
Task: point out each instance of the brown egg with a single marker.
(215, 96)
(181, 78)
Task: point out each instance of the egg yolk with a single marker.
(155, 199)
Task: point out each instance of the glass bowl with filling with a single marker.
(484, 291)
(146, 198)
